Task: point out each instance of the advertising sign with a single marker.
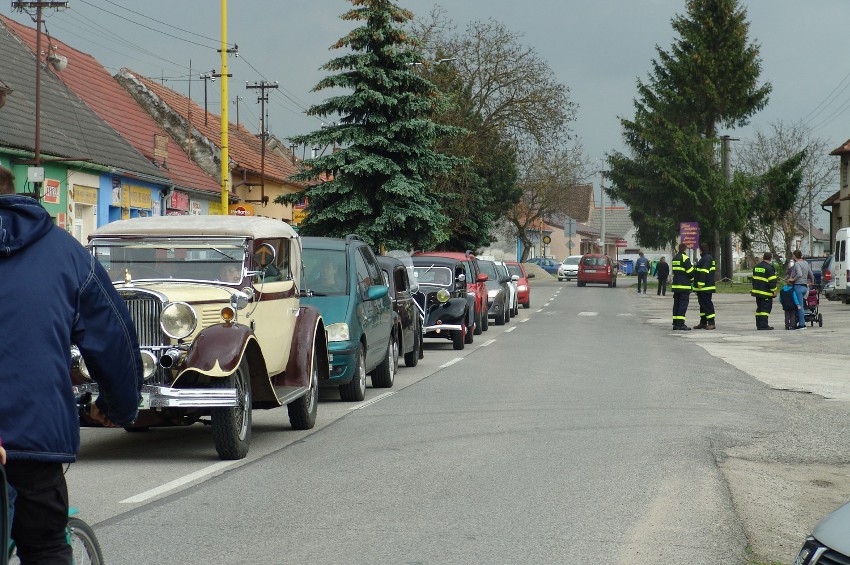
(241, 210)
(51, 191)
(689, 234)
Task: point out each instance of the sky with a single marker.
(597, 48)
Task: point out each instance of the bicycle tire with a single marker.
(84, 543)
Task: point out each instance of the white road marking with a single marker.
(588, 313)
(524, 321)
(371, 401)
(177, 483)
(486, 343)
(540, 310)
(510, 329)
(452, 362)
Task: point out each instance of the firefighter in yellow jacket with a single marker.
(704, 287)
(683, 278)
(764, 290)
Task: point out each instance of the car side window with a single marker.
(364, 276)
(279, 270)
(400, 280)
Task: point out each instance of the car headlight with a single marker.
(492, 293)
(338, 332)
(148, 364)
(443, 295)
(178, 320)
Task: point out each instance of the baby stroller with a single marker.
(812, 306)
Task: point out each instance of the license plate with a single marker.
(590, 270)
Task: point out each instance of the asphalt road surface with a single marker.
(578, 432)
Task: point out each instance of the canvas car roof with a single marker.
(236, 226)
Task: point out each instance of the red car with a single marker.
(475, 284)
(596, 268)
(523, 287)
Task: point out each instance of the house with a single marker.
(190, 189)
(258, 176)
(90, 173)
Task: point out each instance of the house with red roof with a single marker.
(257, 176)
(190, 188)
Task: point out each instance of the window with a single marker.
(364, 277)
(279, 270)
(400, 279)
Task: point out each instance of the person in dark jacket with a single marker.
(662, 271)
(55, 294)
(764, 290)
(642, 271)
(683, 280)
(790, 305)
(704, 288)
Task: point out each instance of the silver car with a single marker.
(829, 542)
(569, 268)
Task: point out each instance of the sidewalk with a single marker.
(765, 354)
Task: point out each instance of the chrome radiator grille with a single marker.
(145, 311)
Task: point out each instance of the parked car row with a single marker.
(235, 314)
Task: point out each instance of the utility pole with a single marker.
(206, 77)
(602, 201)
(225, 102)
(238, 99)
(262, 99)
(726, 265)
(39, 8)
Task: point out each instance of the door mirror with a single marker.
(482, 278)
(377, 291)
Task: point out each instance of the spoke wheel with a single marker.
(232, 426)
(84, 545)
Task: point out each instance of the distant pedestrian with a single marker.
(704, 287)
(683, 280)
(662, 271)
(802, 278)
(642, 270)
(764, 290)
(791, 305)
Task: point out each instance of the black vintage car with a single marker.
(447, 308)
(397, 278)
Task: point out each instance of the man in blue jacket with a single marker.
(53, 293)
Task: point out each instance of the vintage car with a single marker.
(217, 308)
(447, 307)
(475, 285)
(409, 327)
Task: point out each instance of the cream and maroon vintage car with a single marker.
(215, 301)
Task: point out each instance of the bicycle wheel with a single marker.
(84, 543)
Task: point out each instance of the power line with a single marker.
(160, 21)
(147, 27)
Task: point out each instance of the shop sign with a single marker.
(178, 201)
(51, 191)
(241, 209)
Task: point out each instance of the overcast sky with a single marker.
(598, 48)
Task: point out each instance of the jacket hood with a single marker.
(22, 222)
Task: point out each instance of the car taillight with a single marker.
(827, 276)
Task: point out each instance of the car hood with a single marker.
(184, 291)
(334, 308)
(832, 530)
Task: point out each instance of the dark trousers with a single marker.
(790, 319)
(662, 286)
(763, 308)
(41, 512)
(641, 278)
(680, 307)
(706, 307)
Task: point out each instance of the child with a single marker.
(790, 304)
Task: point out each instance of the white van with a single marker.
(841, 264)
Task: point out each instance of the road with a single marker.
(581, 430)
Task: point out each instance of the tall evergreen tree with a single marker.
(709, 78)
(377, 181)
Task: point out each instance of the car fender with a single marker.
(217, 352)
(470, 305)
(453, 310)
(309, 334)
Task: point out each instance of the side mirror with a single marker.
(482, 278)
(377, 291)
(529, 275)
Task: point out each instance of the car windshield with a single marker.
(489, 269)
(433, 275)
(595, 261)
(325, 271)
(212, 260)
(572, 260)
(515, 270)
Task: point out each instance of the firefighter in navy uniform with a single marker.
(704, 287)
(683, 278)
(764, 290)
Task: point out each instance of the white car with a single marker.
(569, 268)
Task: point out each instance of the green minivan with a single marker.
(343, 280)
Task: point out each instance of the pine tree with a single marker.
(708, 79)
(377, 182)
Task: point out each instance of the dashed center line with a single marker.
(510, 329)
(486, 343)
(588, 313)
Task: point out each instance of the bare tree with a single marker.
(547, 178)
(768, 149)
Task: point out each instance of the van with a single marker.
(841, 265)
